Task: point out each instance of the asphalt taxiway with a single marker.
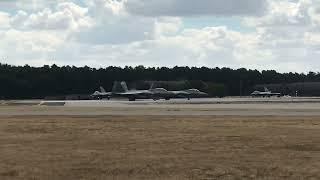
(174, 107)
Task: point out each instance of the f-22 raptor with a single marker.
(265, 93)
(120, 89)
(102, 94)
(132, 95)
(189, 93)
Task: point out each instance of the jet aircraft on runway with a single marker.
(120, 89)
(161, 93)
(189, 93)
(101, 94)
(132, 95)
(265, 93)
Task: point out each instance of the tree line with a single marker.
(38, 82)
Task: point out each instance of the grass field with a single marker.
(140, 147)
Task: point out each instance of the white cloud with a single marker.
(19, 47)
(312, 40)
(4, 20)
(114, 25)
(118, 32)
(191, 7)
(215, 46)
(65, 16)
(167, 26)
(314, 13)
(35, 5)
(283, 13)
(289, 31)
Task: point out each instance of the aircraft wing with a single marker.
(136, 93)
(180, 92)
(130, 93)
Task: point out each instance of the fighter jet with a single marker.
(265, 93)
(101, 94)
(195, 93)
(161, 93)
(181, 94)
(189, 93)
(132, 95)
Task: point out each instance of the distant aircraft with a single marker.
(159, 93)
(132, 95)
(101, 94)
(121, 90)
(195, 93)
(266, 93)
(189, 93)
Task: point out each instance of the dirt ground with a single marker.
(158, 147)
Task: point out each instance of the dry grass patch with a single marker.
(159, 148)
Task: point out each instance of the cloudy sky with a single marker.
(259, 34)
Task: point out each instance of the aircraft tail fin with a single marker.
(124, 86)
(152, 86)
(102, 89)
(119, 87)
(116, 88)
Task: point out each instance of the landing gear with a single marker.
(132, 98)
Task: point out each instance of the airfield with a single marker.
(175, 107)
(210, 138)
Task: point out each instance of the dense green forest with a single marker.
(38, 82)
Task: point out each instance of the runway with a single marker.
(175, 107)
(238, 138)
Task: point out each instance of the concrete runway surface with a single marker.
(175, 107)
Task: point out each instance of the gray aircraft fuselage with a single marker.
(264, 94)
(101, 95)
(189, 93)
(161, 93)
